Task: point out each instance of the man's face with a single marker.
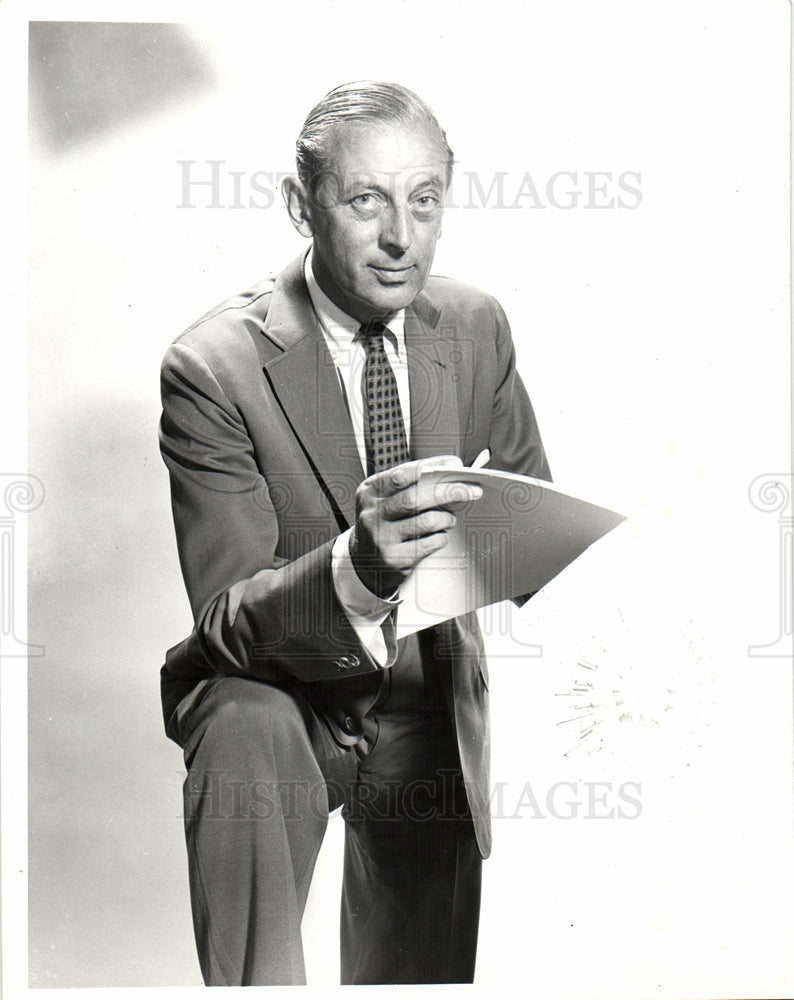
(376, 217)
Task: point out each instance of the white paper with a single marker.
(511, 542)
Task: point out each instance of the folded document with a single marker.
(511, 542)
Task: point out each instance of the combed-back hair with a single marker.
(360, 102)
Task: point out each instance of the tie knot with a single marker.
(372, 332)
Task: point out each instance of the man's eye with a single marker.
(425, 204)
(367, 200)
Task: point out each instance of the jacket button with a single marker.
(343, 663)
(349, 724)
(354, 660)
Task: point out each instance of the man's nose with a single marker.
(397, 233)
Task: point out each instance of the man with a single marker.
(297, 421)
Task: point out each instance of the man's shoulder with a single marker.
(443, 288)
(464, 302)
(230, 339)
(236, 325)
(233, 317)
(255, 320)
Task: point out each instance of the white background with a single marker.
(655, 345)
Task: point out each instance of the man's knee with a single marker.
(249, 756)
(243, 721)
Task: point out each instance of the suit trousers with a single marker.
(264, 772)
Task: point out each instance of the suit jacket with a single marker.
(264, 470)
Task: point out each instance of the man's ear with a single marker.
(296, 199)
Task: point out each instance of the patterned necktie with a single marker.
(384, 429)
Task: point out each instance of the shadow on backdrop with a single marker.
(88, 78)
(107, 880)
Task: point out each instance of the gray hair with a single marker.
(361, 102)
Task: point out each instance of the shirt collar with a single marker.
(338, 325)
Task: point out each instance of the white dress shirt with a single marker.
(367, 613)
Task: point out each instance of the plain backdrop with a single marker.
(654, 341)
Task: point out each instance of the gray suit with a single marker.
(264, 470)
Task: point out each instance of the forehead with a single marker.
(387, 149)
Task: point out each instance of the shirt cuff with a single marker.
(372, 617)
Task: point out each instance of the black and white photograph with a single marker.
(397, 498)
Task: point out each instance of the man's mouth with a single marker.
(392, 275)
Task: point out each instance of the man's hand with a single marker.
(400, 520)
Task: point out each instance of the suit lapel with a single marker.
(435, 425)
(305, 381)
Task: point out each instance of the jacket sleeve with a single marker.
(254, 612)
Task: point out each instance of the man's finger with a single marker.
(392, 481)
(429, 522)
(415, 549)
(425, 496)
